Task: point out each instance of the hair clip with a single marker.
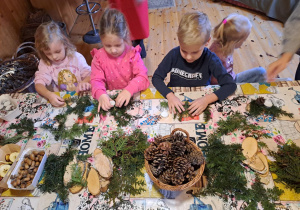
(224, 21)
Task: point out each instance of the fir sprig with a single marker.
(127, 153)
(76, 176)
(54, 172)
(287, 166)
(257, 109)
(179, 116)
(25, 130)
(237, 121)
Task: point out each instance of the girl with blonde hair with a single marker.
(57, 55)
(229, 35)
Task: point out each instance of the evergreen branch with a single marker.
(127, 153)
(54, 168)
(287, 166)
(25, 125)
(257, 109)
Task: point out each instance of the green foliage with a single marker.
(237, 121)
(224, 165)
(25, 126)
(127, 153)
(164, 104)
(223, 168)
(287, 166)
(258, 193)
(63, 133)
(54, 172)
(76, 177)
(259, 109)
(185, 113)
(83, 157)
(207, 114)
(226, 176)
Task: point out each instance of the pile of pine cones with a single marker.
(173, 160)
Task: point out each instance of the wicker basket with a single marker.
(164, 186)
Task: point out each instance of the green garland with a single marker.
(127, 153)
(287, 166)
(257, 109)
(24, 126)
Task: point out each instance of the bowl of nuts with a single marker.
(28, 170)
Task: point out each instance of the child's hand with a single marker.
(83, 86)
(55, 100)
(174, 102)
(104, 102)
(123, 97)
(198, 106)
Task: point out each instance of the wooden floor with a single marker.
(260, 49)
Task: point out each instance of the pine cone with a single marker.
(164, 147)
(190, 174)
(178, 137)
(150, 152)
(196, 158)
(160, 160)
(260, 100)
(177, 179)
(156, 171)
(178, 149)
(189, 148)
(166, 176)
(181, 165)
(158, 139)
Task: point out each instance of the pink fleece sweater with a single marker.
(124, 72)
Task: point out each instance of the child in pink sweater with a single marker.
(60, 66)
(117, 65)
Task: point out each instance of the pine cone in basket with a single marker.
(156, 171)
(196, 158)
(190, 174)
(189, 148)
(164, 147)
(178, 148)
(178, 137)
(181, 165)
(159, 160)
(177, 179)
(158, 139)
(150, 152)
(166, 176)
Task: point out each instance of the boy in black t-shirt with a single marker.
(191, 65)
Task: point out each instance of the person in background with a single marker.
(136, 14)
(229, 35)
(117, 65)
(290, 45)
(191, 65)
(60, 65)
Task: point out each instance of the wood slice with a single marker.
(93, 182)
(78, 188)
(104, 166)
